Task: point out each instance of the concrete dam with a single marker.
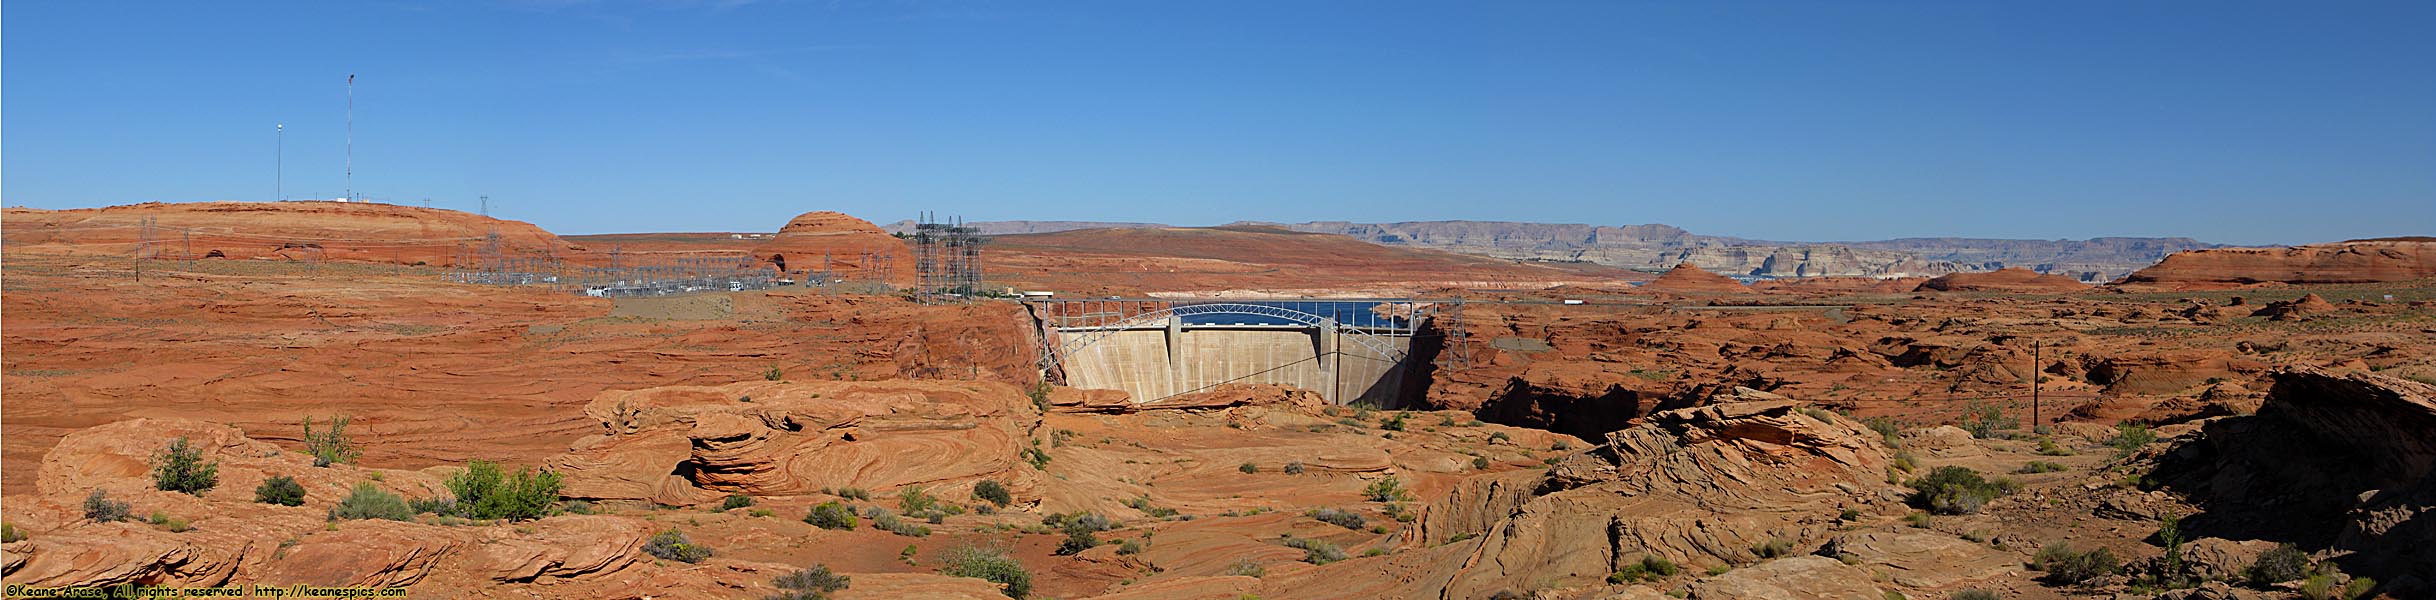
(1351, 351)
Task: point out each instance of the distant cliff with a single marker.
(1656, 248)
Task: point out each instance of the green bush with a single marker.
(1480, 462)
(1386, 489)
(1987, 421)
(1078, 521)
(1649, 568)
(735, 501)
(2066, 566)
(1918, 519)
(331, 446)
(1247, 468)
(9, 533)
(2040, 466)
(1244, 567)
(484, 492)
(916, 501)
(814, 583)
(831, 515)
(2129, 437)
(1340, 517)
(1294, 467)
(2285, 562)
(1130, 547)
(369, 502)
(1889, 430)
(2048, 447)
(993, 492)
(884, 521)
(1972, 595)
(1077, 542)
(2322, 586)
(1955, 490)
(673, 545)
(100, 508)
(440, 506)
(987, 564)
(281, 490)
(1315, 551)
(180, 468)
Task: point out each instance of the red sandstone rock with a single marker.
(1688, 279)
(847, 246)
(344, 231)
(2014, 280)
(2363, 261)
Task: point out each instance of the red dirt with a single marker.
(2011, 279)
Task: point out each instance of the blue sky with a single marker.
(2237, 122)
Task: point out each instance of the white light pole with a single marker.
(279, 164)
(350, 137)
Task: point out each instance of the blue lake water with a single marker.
(1356, 314)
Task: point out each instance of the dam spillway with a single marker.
(1350, 351)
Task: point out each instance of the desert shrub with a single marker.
(100, 508)
(1386, 489)
(890, 523)
(2169, 531)
(1130, 547)
(1078, 521)
(830, 515)
(1039, 395)
(1918, 519)
(1315, 551)
(854, 493)
(330, 446)
(2129, 437)
(813, 583)
(1340, 517)
(2039, 466)
(993, 491)
(1972, 595)
(673, 545)
(1889, 430)
(1248, 468)
(180, 468)
(369, 502)
(2048, 447)
(1294, 467)
(1244, 567)
(2284, 563)
(580, 507)
(987, 564)
(2322, 586)
(916, 502)
(281, 490)
(1955, 490)
(1773, 548)
(773, 374)
(1904, 460)
(735, 501)
(439, 506)
(1987, 421)
(484, 492)
(1076, 542)
(9, 534)
(1480, 462)
(1038, 458)
(1500, 436)
(1649, 568)
(2067, 566)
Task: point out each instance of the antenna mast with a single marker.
(350, 137)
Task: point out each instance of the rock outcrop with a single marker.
(1698, 486)
(842, 244)
(2011, 280)
(1688, 279)
(690, 444)
(2363, 261)
(2344, 464)
(2306, 306)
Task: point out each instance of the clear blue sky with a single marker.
(2238, 122)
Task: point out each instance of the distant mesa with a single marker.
(1688, 279)
(320, 230)
(828, 222)
(2014, 280)
(2363, 261)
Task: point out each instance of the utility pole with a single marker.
(350, 137)
(486, 206)
(2035, 424)
(279, 163)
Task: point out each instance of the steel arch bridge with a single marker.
(1092, 334)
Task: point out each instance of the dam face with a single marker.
(1341, 350)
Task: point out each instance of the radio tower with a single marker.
(350, 137)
